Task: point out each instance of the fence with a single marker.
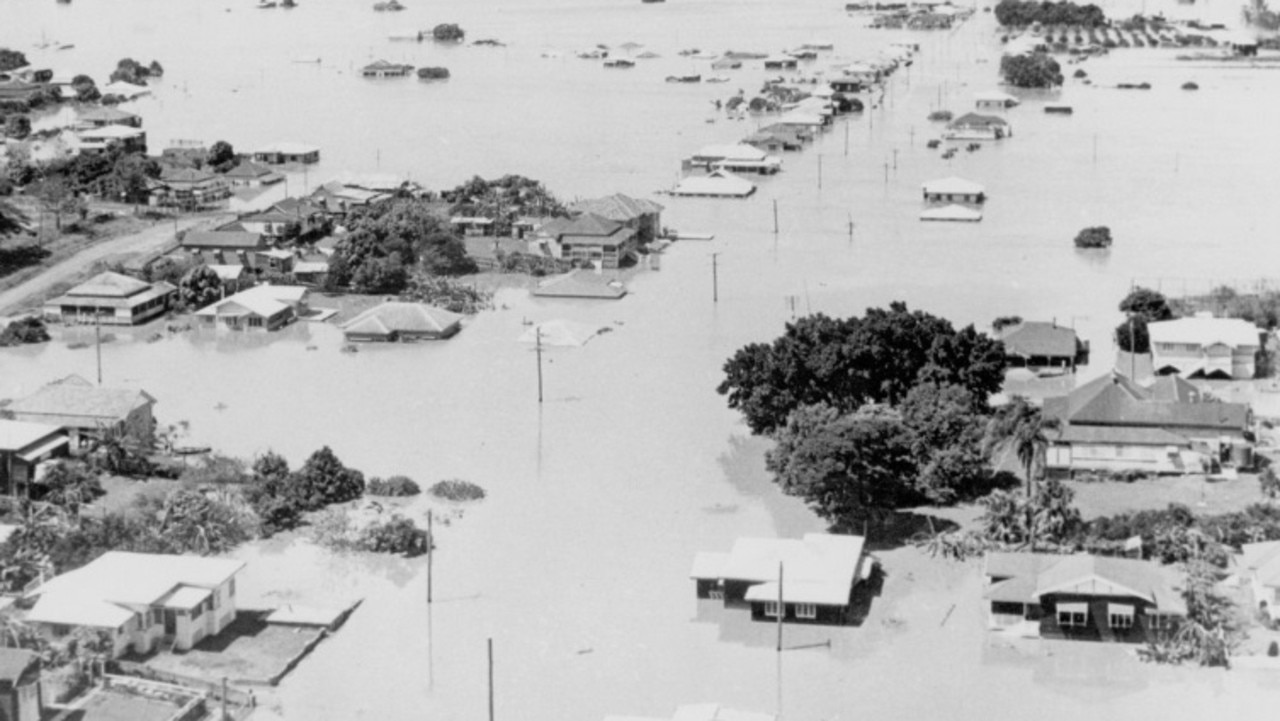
(212, 689)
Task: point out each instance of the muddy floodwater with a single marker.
(576, 564)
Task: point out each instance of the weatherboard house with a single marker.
(139, 601)
(807, 580)
(1204, 346)
(1081, 597)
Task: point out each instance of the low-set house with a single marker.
(1259, 565)
(642, 216)
(238, 241)
(1042, 346)
(272, 225)
(716, 184)
(740, 158)
(994, 100)
(262, 307)
(85, 410)
(111, 298)
(23, 447)
(1081, 596)
(140, 601)
(590, 238)
(20, 698)
(781, 62)
(1113, 424)
(384, 69)
(249, 174)
(281, 153)
(189, 188)
(404, 322)
(813, 577)
(107, 115)
(973, 126)
(954, 190)
(100, 139)
(702, 712)
(1206, 347)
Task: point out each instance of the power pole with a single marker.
(490, 679)
(715, 278)
(97, 334)
(819, 171)
(431, 551)
(775, 216)
(1133, 353)
(782, 609)
(537, 330)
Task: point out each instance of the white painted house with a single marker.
(140, 600)
(1204, 346)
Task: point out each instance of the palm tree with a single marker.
(1023, 428)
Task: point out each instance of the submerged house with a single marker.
(384, 69)
(252, 175)
(86, 410)
(111, 298)
(1204, 346)
(140, 601)
(107, 115)
(972, 126)
(994, 101)
(262, 307)
(809, 580)
(954, 190)
(580, 284)
(23, 447)
(1081, 596)
(739, 158)
(404, 322)
(99, 139)
(1041, 346)
(642, 216)
(716, 184)
(1113, 424)
(281, 153)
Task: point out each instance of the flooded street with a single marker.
(576, 564)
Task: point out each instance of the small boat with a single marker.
(1058, 109)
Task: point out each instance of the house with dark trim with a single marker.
(806, 580)
(111, 298)
(1081, 596)
(189, 188)
(1203, 346)
(1113, 424)
(590, 238)
(1043, 346)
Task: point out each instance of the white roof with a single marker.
(952, 212)
(185, 597)
(953, 186)
(289, 148)
(718, 182)
(708, 565)
(819, 568)
(15, 435)
(1233, 332)
(228, 272)
(70, 610)
(265, 300)
(732, 152)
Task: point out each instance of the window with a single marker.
(1073, 614)
(806, 610)
(771, 609)
(716, 594)
(60, 630)
(1159, 622)
(1121, 620)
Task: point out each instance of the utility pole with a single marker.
(97, 334)
(715, 278)
(775, 216)
(895, 158)
(224, 699)
(490, 679)
(537, 330)
(846, 138)
(1133, 352)
(850, 228)
(819, 171)
(431, 551)
(782, 609)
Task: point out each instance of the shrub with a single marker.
(24, 330)
(940, 116)
(434, 73)
(68, 484)
(396, 534)
(1080, 73)
(1098, 236)
(457, 490)
(1190, 86)
(323, 480)
(448, 31)
(395, 487)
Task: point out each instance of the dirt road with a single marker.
(148, 240)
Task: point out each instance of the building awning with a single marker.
(40, 451)
(1120, 609)
(1082, 608)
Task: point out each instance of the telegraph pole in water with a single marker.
(715, 278)
(490, 679)
(782, 609)
(431, 551)
(97, 334)
(537, 330)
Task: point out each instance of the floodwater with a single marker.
(576, 563)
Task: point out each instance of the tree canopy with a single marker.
(503, 200)
(1142, 306)
(11, 59)
(200, 287)
(388, 241)
(848, 363)
(1017, 13)
(1098, 236)
(1032, 70)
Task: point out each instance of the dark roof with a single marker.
(14, 662)
(1036, 338)
(1115, 400)
(590, 224)
(1030, 576)
(220, 239)
(1121, 435)
(1176, 389)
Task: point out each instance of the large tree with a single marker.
(1143, 306)
(945, 434)
(847, 467)
(323, 480)
(851, 362)
(200, 287)
(1033, 70)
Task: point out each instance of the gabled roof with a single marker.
(222, 239)
(589, 224)
(402, 317)
(580, 284)
(818, 568)
(110, 285)
(717, 182)
(1037, 338)
(977, 120)
(1232, 332)
(16, 435)
(617, 207)
(1027, 577)
(74, 396)
(1177, 389)
(1115, 400)
(953, 186)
